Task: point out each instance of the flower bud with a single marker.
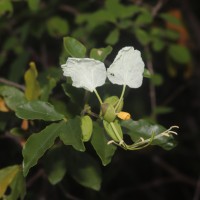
(124, 115)
(86, 127)
(111, 132)
(108, 112)
(114, 101)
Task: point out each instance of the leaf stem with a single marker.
(98, 97)
(121, 97)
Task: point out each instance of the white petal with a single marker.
(85, 72)
(127, 68)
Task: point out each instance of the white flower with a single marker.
(85, 73)
(127, 68)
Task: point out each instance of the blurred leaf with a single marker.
(74, 47)
(6, 6)
(18, 66)
(50, 73)
(158, 44)
(18, 187)
(97, 18)
(32, 87)
(38, 110)
(144, 18)
(12, 96)
(57, 26)
(13, 43)
(47, 89)
(55, 165)
(162, 110)
(85, 170)
(145, 129)
(61, 107)
(86, 127)
(38, 143)
(6, 177)
(142, 36)
(100, 144)
(101, 53)
(119, 10)
(33, 4)
(72, 134)
(125, 24)
(170, 19)
(179, 53)
(113, 37)
(172, 35)
(147, 73)
(157, 79)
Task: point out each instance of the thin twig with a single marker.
(7, 82)
(157, 7)
(69, 9)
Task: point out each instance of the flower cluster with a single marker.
(126, 69)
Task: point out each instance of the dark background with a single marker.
(152, 173)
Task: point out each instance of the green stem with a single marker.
(98, 97)
(121, 97)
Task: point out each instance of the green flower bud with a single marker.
(114, 101)
(86, 127)
(108, 112)
(110, 131)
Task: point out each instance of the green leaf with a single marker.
(158, 44)
(32, 90)
(145, 129)
(38, 110)
(6, 6)
(101, 53)
(147, 73)
(33, 4)
(74, 47)
(100, 144)
(55, 165)
(84, 169)
(170, 19)
(86, 127)
(162, 110)
(57, 26)
(144, 18)
(113, 37)
(72, 134)
(18, 66)
(47, 89)
(12, 96)
(95, 19)
(119, 10)
(179, 53)
(38, 143)
(172, 35)
(18, 187)
(6, 177)
(76, 95)
(157, 79)
(142, 36)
